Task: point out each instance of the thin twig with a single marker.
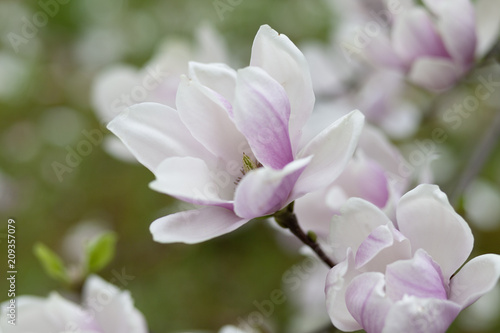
(287, 219)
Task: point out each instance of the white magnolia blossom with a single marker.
(234, 143)
(104, 309)
(404, 276)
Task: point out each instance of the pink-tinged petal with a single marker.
(457, 26)
(380, 50)
(118, 313)
(475, 279)
(435, 74)
(365, 179)
(357, 219)
(420, 277)
(195, 226)
(206, 117)
(382, 247)
(337, 281)
(487, 26)
(414, 36)
(279, 57)
(331, 149)
(427, 219)
(190, 179)
(376, 146)
(261, 113)
(154, 132)
(219, 77)
(367, 302)
(418, 315)
(314, 213)
(264, 191)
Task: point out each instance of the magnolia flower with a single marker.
(121, 86)
(104, 309)
(434, 45)
(373, 174)
(232, 145)
(403, 277)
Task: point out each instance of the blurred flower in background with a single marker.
(121, 86)
(104, 308)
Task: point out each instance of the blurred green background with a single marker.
(45, 106)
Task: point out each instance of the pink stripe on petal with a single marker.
(367, 302)
(383, 246)
(420, 277)
(285, 63)
(264, 191)
(262, 112)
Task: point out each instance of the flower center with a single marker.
(248, 165)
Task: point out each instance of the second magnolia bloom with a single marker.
(402, 277)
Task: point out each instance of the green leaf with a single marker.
(100, 251)
(51, 262)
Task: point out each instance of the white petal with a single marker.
(337, 281)
(204, 113)
(278, 56)
(154, 132)
(427, 219)
(358, 218)
(190, 179)
(475, 279)
(112, 308)
(218, 77)
(331, 150)
(195, 226)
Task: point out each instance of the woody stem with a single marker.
(287, 219)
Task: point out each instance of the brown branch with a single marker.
(288, 220)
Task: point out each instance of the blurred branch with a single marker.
(478, 159)
(288, 220)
